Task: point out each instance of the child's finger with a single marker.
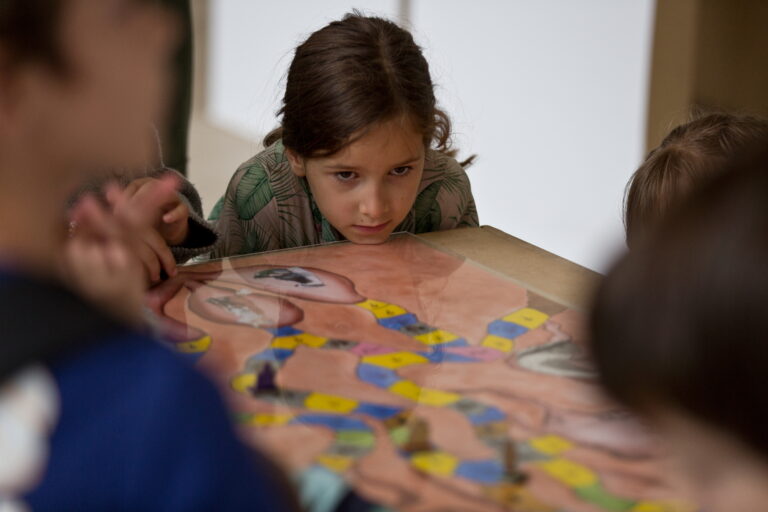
(117, 257)
(177, 214)
(151, 199)
(162, 251)
(85, 263)
(149, 261)
(92, 220)
(115, 195)
(84, 207)
(135, 186)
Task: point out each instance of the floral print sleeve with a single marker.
(445, 198)
(266, 207)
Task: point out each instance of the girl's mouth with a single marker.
(370, 230)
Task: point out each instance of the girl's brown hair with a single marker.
(686, 157)
(352, 74)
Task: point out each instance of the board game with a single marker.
(420, 379)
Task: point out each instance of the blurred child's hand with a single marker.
(171, 217)
(99, 264)
(154, 215)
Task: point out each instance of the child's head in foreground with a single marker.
(679, 328)
(358, 117)
(81, 81)
(689, 155)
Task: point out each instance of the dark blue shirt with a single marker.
(138, 429)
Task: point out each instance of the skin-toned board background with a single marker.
(584, 443)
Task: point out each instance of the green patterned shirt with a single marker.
(267, 207)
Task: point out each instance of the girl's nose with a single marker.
(374, 204)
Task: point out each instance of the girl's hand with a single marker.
(155, 217)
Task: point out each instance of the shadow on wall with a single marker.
(214, 155)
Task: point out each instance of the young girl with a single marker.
(679, 334)
(362, 151)
(688, 156)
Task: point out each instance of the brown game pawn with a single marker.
(514, 475)
(418, 439)
(397, 420)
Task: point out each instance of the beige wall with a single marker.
(214, 152)
(706, 53)
(711, 54)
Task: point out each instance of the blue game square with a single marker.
(380, 412)
(483, 471)
(376, 375)
(398, 322)
(332, 421)
(489, 415)
(507, 330)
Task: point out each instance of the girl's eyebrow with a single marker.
(408, 161)
(354, 167)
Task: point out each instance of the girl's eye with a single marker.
(400, 171)
(345, 175)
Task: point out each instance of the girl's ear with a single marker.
(297, 163)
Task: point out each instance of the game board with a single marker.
(426, 382)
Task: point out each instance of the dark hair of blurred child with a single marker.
(92, 415)
(679, 333)
(690, 154)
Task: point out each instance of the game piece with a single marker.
(511, 464)
(418, 438)
(265, 382)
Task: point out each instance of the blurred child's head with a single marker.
(686, 157)
(81, 81)
(359, 112)
(679, 334)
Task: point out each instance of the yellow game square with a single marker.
(243, 382)
(435, 463)
(337, 463)
(311, 340)
(527, 317)
(192, 347)
(329, 403)
(436, 337)
(651, 506)
(421, 395)
(270, 420)
(570, 473)
(372, 305)
(395, 359)
(406, 389)
(389, 311)
(289, 342)
(437, 398)
(551, 445)
(498, 343)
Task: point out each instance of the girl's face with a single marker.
(99, 112)
(725, 474)
(367, 188)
